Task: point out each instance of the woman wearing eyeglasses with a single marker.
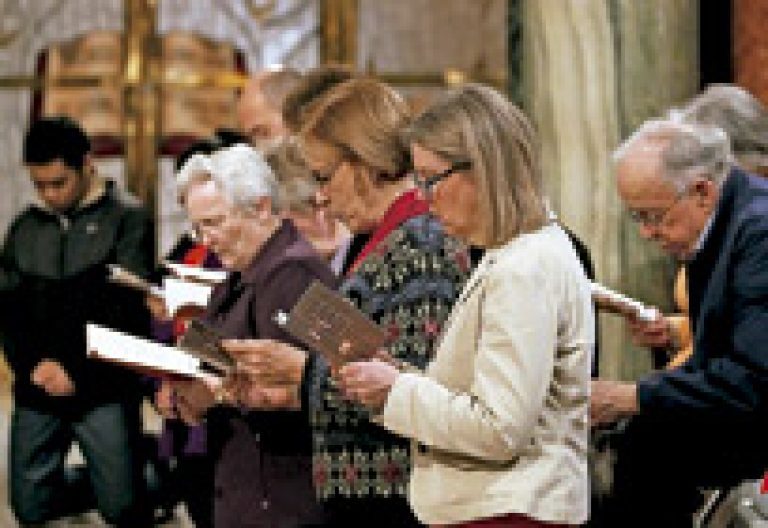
(499, 419)
(406, 277)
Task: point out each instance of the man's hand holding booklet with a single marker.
(614, 302)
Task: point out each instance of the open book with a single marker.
(614, 302)
(329, 324)
(145, 356)
(180, 294)
(199, 357)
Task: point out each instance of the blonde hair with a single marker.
(312, 86)
(362, 118)
(296, 187)
(476, 123)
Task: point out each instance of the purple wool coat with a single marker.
(263, 458)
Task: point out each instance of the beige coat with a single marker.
(500, 419)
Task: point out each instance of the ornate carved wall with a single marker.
(415, 39)
(37, 23)
(432, 35)
(268, 32)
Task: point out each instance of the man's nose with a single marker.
(323, 218)
(649, 232)
(321, 197)
(424, 194)
(205, 237)
(48, 194)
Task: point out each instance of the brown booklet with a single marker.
(204, 343)
(328, 323)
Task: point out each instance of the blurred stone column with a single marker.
(592, 71)
(750, 46)
(658, 67)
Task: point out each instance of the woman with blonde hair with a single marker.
(406, 277)
(305, 207)
(499, 420)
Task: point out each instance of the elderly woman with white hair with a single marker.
(263, 468)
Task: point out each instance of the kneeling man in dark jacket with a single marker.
(53, 279)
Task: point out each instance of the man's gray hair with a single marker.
(690, 151)
(739, 113)
(239, 171)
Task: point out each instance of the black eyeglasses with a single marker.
(427, 183)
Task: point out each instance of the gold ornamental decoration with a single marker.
(260, 11)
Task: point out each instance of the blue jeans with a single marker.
(108, 438)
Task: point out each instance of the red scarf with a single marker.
(408, 205)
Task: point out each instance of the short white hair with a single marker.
(690, 150)
(239, 171)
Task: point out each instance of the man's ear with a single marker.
(89, 166)
(706, 191)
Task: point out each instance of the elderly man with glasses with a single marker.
(700, 424)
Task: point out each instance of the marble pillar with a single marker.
(592, 71)
(657, 67)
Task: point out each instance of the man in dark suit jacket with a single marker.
(703, 423)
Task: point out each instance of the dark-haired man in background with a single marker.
(53, 279)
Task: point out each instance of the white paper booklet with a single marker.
(140, 354)
(179, 293)
(196, 273)
(176, 293)
(614, 302)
